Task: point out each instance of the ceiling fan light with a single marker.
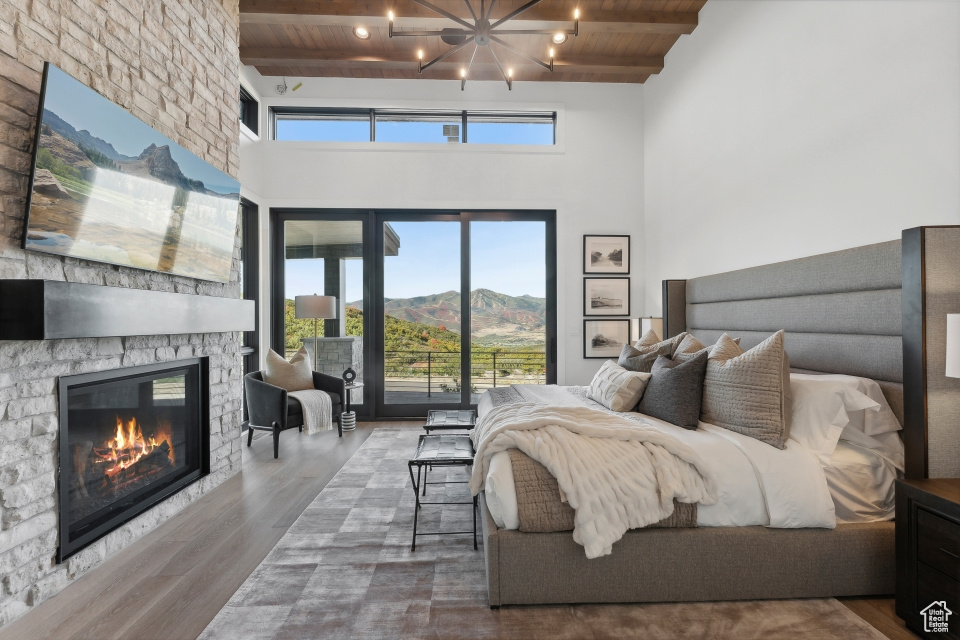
(559, 38)
(362, 33)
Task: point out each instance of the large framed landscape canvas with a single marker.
(606, 255)
(605, 338)
(108, 187)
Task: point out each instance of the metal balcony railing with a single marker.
(439, 372)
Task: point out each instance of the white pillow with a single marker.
(616, 388)
(295, 375)
(821, 410)
(878, 420)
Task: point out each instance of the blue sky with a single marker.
(359, 131)
(84, 108)
(507, 257)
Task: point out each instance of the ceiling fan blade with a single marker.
(444, 13)
(512, 14)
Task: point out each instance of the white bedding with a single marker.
(617, 473)
(757, 484)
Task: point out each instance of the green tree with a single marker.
(297, 328)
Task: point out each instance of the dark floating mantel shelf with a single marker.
(52, 310)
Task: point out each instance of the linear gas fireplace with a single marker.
(129, 438)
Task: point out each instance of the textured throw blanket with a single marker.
(317, 410)
(542, 509)
(617, 474)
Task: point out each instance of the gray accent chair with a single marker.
(269, 408)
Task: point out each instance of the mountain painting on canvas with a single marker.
(108, 187)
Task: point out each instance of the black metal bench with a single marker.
(440, 451)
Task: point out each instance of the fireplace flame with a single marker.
(129, 444)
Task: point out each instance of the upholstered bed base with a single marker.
(688, 565)
(842, 314)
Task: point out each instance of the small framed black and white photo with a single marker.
(609, 255)
(605, 338)
(606, 296)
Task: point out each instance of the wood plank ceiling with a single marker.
(618, 41)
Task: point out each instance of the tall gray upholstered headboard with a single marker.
(841, 312)
(877, 311)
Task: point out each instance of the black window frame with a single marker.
(372, 219)
(463, 115)
(249, 111)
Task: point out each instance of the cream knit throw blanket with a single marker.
(317, 410)
(618, 474)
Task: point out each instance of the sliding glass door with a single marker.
(420, 311)
(321, 254)
(444, 304)
(508, 302)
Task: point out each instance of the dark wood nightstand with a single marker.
(928, 555)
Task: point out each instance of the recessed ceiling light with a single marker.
(559, 38)
(361, 32)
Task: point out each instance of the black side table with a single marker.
(928, 556)
(443, 419)
(348, 419)
(440, 451)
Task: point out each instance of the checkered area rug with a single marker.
(345, 570)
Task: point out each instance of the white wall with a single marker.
(593, 178)
(785, 129)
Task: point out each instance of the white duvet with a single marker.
(756, 484)
(617, 474)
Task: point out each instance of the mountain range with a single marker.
(68, 144)
(496, 318)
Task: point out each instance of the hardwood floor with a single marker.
(880, 613)
(169, 584)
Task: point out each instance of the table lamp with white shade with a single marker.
(317, 308)
(953, 345)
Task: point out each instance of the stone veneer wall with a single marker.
(336, 355)
(175, 65)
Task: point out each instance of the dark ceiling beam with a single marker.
(409, 14)
(280, 57)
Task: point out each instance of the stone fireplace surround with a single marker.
(174, 64)
(29, 371)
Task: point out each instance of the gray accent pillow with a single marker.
(642, 360)
(617, 388)
(749, 391)
(675, 391)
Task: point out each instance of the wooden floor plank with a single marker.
(71, 612)
(172, 582)
(880, 613)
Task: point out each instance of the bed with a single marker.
(842, 313)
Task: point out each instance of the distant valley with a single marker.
(497, 319)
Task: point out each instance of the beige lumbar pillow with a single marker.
(690, 346)
(651, 340)
(617, 388)
(295, 375)
(749, 391)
